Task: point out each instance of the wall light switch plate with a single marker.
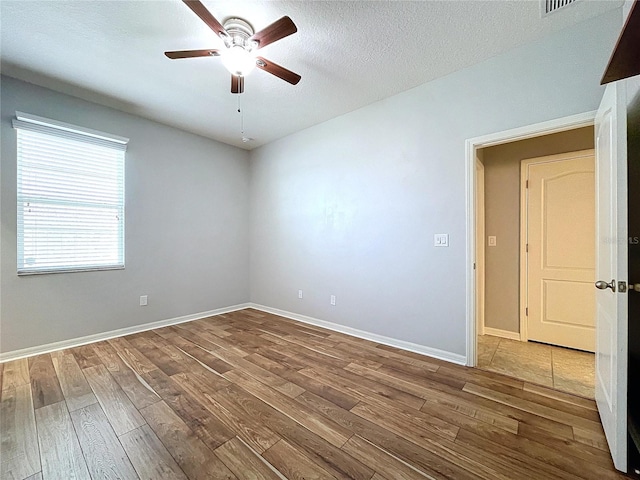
(333, 300)
(143, 300)
(441, 240)
(299, 293)
(492, 241)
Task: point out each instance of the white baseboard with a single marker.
(374, 337)
(76, 342)
(496, 332)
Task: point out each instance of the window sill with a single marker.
(69, 270)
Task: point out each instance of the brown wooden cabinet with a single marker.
(625, 59)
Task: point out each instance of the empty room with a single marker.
(369, 240)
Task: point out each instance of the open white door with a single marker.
(611, 268)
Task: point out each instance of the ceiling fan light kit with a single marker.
(241, 43)
(238, 57)
(238, 61)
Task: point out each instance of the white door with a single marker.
(611, 267)
(560, 252)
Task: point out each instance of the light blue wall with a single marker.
(350, 207)
(187, 244)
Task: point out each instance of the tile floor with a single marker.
(564, 369)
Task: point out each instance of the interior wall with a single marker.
(502, 218)
(186, 231)
(350, 207)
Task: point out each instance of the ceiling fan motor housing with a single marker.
(239, 32)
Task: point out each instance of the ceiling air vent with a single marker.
(550, 6)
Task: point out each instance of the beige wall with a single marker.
(502, 218)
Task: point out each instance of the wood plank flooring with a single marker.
(250, 395)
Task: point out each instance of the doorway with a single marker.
(503, 341)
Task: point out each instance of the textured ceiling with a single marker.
(349, 53)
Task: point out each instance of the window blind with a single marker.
(70, 197)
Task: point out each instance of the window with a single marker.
(70, 197)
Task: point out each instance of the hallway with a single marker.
(560, 368)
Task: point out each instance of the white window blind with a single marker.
(70, 197)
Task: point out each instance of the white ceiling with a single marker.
(349, 54)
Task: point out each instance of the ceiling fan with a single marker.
(241, 44)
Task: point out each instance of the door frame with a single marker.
(524, 234)
(480, 252)
(471, 146)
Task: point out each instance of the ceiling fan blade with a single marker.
(192, 53)
(277, 30)
(277, 70)
(199, 9)
(237, 84)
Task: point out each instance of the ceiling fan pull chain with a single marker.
(241, 112)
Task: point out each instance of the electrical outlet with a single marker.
(299, 293)
(143, 300)
(333, 300)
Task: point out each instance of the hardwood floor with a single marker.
(250, 395)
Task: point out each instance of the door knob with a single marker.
(602, 285)
(634, 287)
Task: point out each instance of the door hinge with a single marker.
(526, 248)
(474, 266)
(526, 311)
(526, 185)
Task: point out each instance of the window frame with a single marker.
(27, 122)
